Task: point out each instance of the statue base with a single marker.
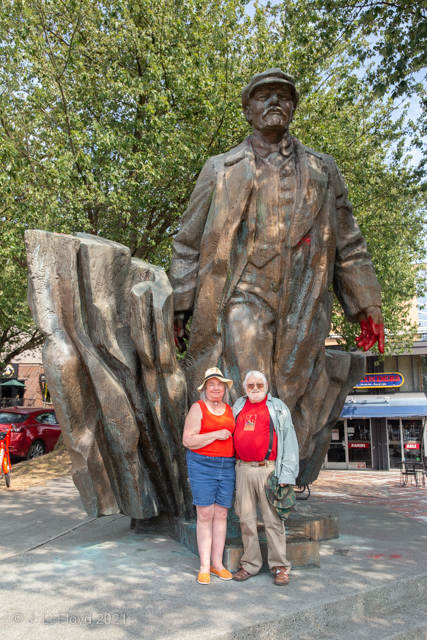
(303, 536)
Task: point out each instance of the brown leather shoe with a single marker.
(242, 575)
(281, 576)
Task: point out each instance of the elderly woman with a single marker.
(208, 434)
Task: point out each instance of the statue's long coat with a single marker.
(324, 251)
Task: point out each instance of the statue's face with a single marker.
(270, 108)
(256, 389)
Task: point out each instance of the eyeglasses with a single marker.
(258, 385)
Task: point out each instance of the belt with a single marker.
(262, 463)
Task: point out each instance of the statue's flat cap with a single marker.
(269, 77)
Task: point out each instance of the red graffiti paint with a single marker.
(306, 240)
(371, 332)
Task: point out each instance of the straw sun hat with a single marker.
(214, 372)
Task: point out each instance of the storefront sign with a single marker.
(10, 371)
(335, 434)
(412, 445)
(359, 445)
(381, 380)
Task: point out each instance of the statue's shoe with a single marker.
(223, 574)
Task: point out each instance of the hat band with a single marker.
(213, 375)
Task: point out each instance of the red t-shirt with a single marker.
(252, 434)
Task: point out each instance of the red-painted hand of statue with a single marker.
(372, 329)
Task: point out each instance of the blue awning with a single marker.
(385, 408)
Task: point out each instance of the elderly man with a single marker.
(265, 442)
(266, 241)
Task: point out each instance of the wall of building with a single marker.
(27, 368)
(30, 374)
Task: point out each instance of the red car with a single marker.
(34, 431)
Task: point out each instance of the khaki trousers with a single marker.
(250, 489)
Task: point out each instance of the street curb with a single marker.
(335, 616)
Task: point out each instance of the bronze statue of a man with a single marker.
(266, 240)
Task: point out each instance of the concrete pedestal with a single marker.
(301, 552)
(303, 535)
(314, 527)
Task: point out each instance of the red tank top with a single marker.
(211, 422)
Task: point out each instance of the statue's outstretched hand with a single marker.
(372, 329)
(180, 331)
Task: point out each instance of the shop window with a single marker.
(336, 453)
(373, 365)
(416, 370)
(404, 440)
(423, 363)
(359, 443)
(405, 368)
(394, 443)
(412, 431)
(413, 369)
(390, 364)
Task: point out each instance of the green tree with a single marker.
(393, 47)
(108, 111)
(397, 34)
(16, 327)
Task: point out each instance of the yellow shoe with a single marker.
(223, 574)
(203, 578)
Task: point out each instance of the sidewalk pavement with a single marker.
(374, 488)
(68, 576)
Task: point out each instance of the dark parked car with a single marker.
(34, 431)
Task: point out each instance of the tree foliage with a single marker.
(108, 111)
(393, 47)
(397, 33)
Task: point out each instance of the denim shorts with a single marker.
(212, 479)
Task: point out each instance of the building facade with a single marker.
(27, 369)
(383, 421)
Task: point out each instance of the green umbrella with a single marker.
(12, 383)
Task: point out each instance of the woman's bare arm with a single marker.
(192, 438)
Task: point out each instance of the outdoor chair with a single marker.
(410, 472)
